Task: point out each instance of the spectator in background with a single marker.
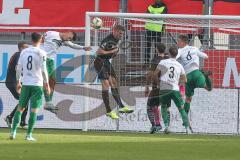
(153, 30)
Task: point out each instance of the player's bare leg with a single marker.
(16, 121)
(31, 123)
(185, 119)
(105, 96)
(166, 118)
(208, 80)
(48, 98)
(187, 104)
(52, 82)
(116, 96)
(156, 112)
(188, 100)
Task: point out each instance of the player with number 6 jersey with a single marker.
(189, 58)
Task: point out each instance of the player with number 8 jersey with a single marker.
(32, 73)
(32, 65)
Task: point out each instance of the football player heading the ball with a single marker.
(52, 42)
(107, 50)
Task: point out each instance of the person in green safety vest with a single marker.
(154, 30)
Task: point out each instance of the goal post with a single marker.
(211, 112)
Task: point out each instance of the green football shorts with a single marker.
(167, 95)
(195, 79)
(32, 93)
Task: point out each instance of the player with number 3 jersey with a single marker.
(169, 72)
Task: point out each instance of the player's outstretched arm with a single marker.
(202, 54)
(101, 51)
(76, 46)
(45, 75)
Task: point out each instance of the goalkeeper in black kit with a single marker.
(107, 50)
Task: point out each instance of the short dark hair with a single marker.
(183, 38)
(21, 44)
(173, 51)
(36, 37)
(119, 27)
(74, 36)
(161, 47)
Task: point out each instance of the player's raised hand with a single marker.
(87, 48)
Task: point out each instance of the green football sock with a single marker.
(48, 98)
(184, 117)
(165, 115)
(168, 116)
(187, 107)
(16, 120)
(31, 122)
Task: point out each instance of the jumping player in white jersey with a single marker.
(32, 65)
(52, 42)
(168, 73)
(189, 58)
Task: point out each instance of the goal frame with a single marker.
(142, 15)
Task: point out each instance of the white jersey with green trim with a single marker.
(171, 70)
(32, 63)
(189, 58)
(53, 41)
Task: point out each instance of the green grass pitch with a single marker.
(77, 145)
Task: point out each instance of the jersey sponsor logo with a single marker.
(9, 14)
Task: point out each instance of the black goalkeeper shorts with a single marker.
(12, 89)
(104, 68)
(154, 98)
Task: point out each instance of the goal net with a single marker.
(218, 36)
